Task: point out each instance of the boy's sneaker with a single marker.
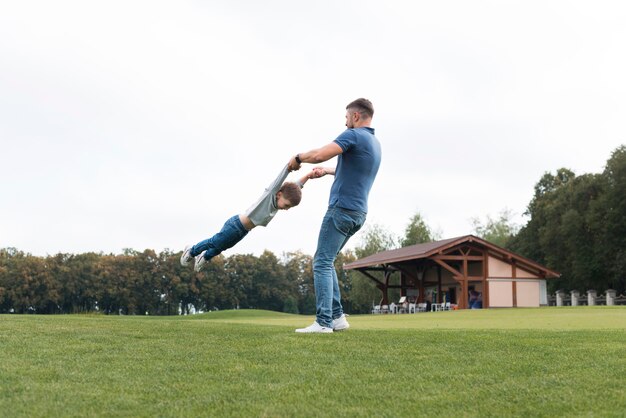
(186, 257)
(315, 328)
(200, 261)
(341, 323)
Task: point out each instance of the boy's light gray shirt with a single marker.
(262, 212)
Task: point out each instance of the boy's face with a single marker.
(281, 202)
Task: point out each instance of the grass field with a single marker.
(495, 363)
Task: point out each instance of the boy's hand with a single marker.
(318, 172)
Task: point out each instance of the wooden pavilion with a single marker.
(455, 270)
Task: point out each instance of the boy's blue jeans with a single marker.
(232, 232)
(337, 228)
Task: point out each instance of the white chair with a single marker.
(384, 309)
(376, 309)
(393, 308)
(412, 307)
(445, 306)
(402, 305)
(421, 307)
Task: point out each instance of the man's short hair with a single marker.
(363, 106)
(292, 192)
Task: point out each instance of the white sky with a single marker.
(146, 124)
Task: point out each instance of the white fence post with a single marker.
(560, 298)
(575, 295)
(610, 297)
(591, 297)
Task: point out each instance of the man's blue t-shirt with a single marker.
(356, 169)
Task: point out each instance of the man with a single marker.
(359, 154)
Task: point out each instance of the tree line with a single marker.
(152, 283)
(576, 225)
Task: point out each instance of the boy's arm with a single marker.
(303, 180)
(306, 178)
(278, 181)
(316, 173)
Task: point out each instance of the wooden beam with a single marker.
(408, 273)
(485, 282)
(370, 276)
(386, 267)
(514, 287)
(386, 287)
(438, 284)
(446, 266)
(458, 257)
(464, 290)
(464, 286)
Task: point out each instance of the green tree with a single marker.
(291, 305)
(417, 232)
(374, 239)
(78, 275)
(299, 271)
(497, 231)
(346, 281)
(240, 271)
(270, 287)
(610, 214)
(214, 282)
(577, 227)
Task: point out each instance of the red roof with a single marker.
(425, 250)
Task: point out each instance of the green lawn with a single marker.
(513, 362)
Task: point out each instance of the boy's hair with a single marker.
(363, 106)
(292, 192)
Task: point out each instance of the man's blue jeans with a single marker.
(337, 228)
(232, 232)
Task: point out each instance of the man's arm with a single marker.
(315, 156)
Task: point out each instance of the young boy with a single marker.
(277, 196)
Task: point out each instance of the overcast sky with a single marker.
(146, 124)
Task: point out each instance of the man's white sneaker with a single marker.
(186, 257)
(200, 261)
(315, 328)
(341, 323)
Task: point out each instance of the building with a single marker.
(465, 271)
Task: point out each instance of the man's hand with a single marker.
(293, 164)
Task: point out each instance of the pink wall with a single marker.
(528, 294)
(501, 294)
(499, 268)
